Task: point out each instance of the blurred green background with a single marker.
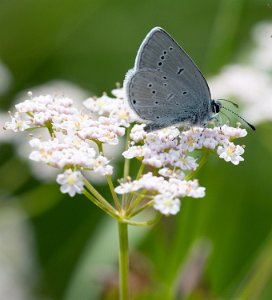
(55, 247)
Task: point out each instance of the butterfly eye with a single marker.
(162, 57)
(164, 77)
(153, 92)
(171, 48)
(134, 101)
(164, 52)
(159, 63)
(184, 93)
(149, 85)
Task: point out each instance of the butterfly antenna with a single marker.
(233, 103)
(226, 116)
(250, 125)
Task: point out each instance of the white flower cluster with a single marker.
(168, 191)
(168, 150)
(76, 138)
(71, 145)
(116, 109)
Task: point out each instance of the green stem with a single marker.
(146, 223)
(126, 165)
(109, 180)
(140, 171)
(99, 197)
(123, 261)
(48, 125)
(139, 174)
(114, 196)
(136, 201)
(110, 212)
(201, 164)
(136, 212)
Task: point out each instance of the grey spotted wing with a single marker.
(157, 98)
(159, 51)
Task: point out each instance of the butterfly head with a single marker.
(215, 107)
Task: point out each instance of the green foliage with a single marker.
(93, 44)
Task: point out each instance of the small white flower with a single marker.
(168, 134)
(150, 182)
(167, 204)
(128, 187)
(186, 163)
(233, 132)
(72, 124)
(101, 166)
(17, 123)
(231, 153)
(136, 151)
(137, 133)
(210, 143)
(102, 106)
(119, 93)
(193, 189)
(190, 140)
(71, 182)
(176, 173)
(155, 160)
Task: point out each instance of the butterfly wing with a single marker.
(157, 98)
(159, 51)
(166, 87)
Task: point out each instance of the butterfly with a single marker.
(166, 88)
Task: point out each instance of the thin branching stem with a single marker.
(146, 223)
(106, 209)
(136, 201)
(145, 206)
(109, 180)
(139, 174)
(114, 195)
(99, 197)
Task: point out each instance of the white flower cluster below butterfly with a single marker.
(166, 88)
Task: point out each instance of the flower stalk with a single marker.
(123, 261)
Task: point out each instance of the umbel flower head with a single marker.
(75, 140)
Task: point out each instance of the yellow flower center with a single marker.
(230, 150)
(123, 115)
(190, 141)
(167, 202)
(71, 179)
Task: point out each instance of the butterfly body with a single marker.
(165, 87)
